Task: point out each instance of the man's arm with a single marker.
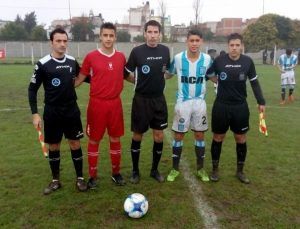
(128, 76)
(79, 79)
(258, 94)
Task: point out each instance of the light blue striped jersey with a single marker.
(191, 75)
(287, 63)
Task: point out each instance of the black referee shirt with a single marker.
(57, 77)
(150, 64)
(232, 77)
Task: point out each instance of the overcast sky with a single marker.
(181, 11)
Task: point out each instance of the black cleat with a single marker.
(92, 184)
(135, 177)
(156, 175)
(81, 184)
(118, 179)
(214, 175)
(242, 177)
(52, 187)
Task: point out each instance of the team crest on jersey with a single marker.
(223, 76)
(55, 82)
(110, 66)
(145, 69)
(202, 70)
(181, 120)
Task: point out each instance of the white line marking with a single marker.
(206, 212)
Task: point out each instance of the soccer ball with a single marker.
(136, 205)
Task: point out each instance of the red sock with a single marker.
(93, 159)
(115, 156)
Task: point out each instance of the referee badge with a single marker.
(55, 82)
(145, 69)
(223, 76)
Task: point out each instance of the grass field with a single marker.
(271, 200)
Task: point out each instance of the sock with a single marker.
(241, 152)
(135, 154)
(115, 156)
(157, 152)
(177, 149)
(54, 162)
(216, 148)
(291, 91)
(282, 94)
(93, 159)
(77, 161)
(200, 153)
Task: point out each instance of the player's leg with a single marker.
(291, 83)
(240, 126)
(53, 134)
(74, 132)
(139, 125)
(283, 88)
(199, 125)
(95, 129)
(158, 122)
(115, 130)
(220, 124)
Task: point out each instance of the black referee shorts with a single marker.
(59, 121)
(234, 116)
(148, 112)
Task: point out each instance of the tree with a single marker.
(39, 33)
(13, 32)
(162, 9)
(82, 30)
(139, 38)
(30, 22)
(123, 36)
(197, 9)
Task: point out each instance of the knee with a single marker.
(54, 147)
(74, 144)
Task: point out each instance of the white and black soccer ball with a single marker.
(136, 205)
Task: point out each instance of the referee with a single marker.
(57, 72)
(230, 109)
(149, 109)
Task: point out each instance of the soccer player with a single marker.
(230, 108)
(286, 64)
(105, 67)
(149, 108)
(190, 109)
(57, 72)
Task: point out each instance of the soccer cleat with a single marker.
(118, 179)
(92, 184)
(242, 177)
(202, 175)
(172, 175)
(81, 184)
(214, 175)
(156, 175)
(52, 187)
(135, 177)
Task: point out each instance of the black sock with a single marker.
(77, 161)
(291, 91)
(283, 94)
(200, 153)
(135, 154)
(54, 162)
(177, 149)
(215, 150)
(241, 152)
(157, 152)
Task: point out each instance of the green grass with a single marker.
(270, 201)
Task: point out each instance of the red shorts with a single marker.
(102, 115)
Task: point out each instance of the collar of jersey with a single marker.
(59, 60)
(108, 55)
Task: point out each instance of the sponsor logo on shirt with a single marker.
(145, 69)
(154, 58)
(55, 82)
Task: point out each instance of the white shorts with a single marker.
(190, 113)
(288, 78)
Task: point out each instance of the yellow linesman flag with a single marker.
(262, 124)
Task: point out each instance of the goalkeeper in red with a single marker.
(230, 108)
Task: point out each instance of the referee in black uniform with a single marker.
(230, 108)
(57, 72)
(149, 62)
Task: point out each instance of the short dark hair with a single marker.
(57, 30)
(288, 51)
(152, 23)
(108, 25)
(235, 36)
(196, 32)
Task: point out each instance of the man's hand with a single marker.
(36, 121)
(261, 108)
